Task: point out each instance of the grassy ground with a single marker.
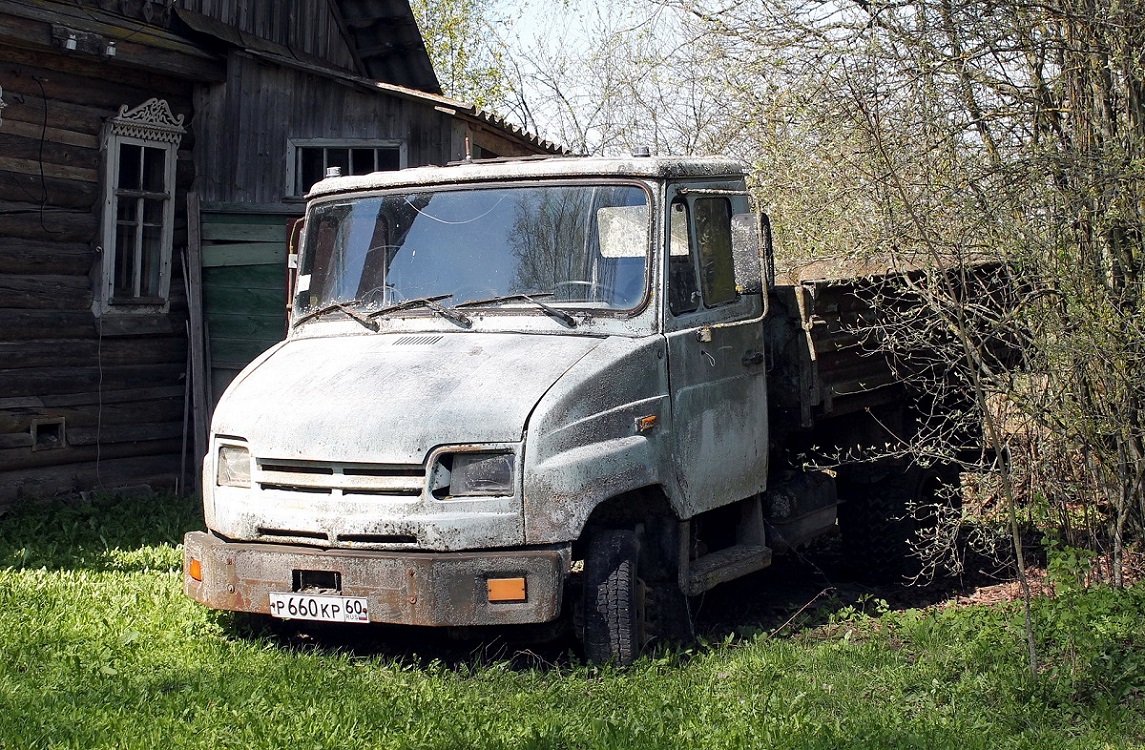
(99, 649)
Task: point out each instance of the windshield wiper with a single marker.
(448, 313)
(561, 315)
(338, 307)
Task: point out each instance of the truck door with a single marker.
(715, 356)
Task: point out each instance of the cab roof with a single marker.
(533, 168)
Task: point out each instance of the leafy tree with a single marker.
(464, 39)
(929, 133)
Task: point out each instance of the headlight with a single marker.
(233, 466)
(481, 474)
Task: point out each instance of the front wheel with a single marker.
(613, 597)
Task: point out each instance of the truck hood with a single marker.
(390, 398)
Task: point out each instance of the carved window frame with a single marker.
(139, 207)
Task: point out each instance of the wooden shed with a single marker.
(153, 155)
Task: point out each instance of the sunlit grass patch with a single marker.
(101, 650)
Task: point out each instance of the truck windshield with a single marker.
(574, 246)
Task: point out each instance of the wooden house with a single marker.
(153, 155)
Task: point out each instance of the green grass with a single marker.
(99, 649)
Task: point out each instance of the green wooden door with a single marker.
(244, 289)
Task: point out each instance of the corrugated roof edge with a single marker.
(472, 112)
(528, 168)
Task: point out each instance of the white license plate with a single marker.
(317, 607)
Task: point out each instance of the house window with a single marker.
(311, 159)
(140, 148)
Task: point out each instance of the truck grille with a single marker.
(340, 478)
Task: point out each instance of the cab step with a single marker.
(723, 565)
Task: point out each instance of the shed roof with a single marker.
(388, 43)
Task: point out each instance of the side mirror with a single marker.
(751, 252)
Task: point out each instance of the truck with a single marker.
(546, 390)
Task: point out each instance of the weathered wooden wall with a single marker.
(118, 385)
(262, 106)
(303, 25)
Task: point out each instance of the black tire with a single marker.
(612, 597)
(881, 521)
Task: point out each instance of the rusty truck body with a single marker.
(518, 390)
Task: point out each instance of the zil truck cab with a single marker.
(509, 391)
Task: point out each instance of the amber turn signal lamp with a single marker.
(506, 589)
(195, 570)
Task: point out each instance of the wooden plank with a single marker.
(45, 257)
(245, 254)
(58, 191)
(45, 292)
(246, 326)
(140, 325)
(109, 352)
(112, 396)
(24, 402)
(202, 405)
(51, 134)
(34, 221)
(213, 231)
(22, 459)
(247, 277)
(238, 353)
(34, 381)
(37, 150)
(278, 211)
(36, 109)
(106, 434)
(16, 440)
(228, 298)
(48, 169)
(21, 325)
(93, 415)
(250, 214)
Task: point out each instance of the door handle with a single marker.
(752, 358)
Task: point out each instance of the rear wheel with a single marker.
(613, 601)
(883, 522)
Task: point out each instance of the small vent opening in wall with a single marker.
(48, 434)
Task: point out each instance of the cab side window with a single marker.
(683, 291)
(714, 237)
(700, 265)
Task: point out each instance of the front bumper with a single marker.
(404, 588)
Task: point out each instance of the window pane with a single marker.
(154, 161)
(361, 161)
(389, 159)
(153, 212)
(124, 269)
(683, 294)
(150, 261)
(125, 211)
(310, 169)
(714, 236)
(338, 157)
(151, 255)
(130, 160)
